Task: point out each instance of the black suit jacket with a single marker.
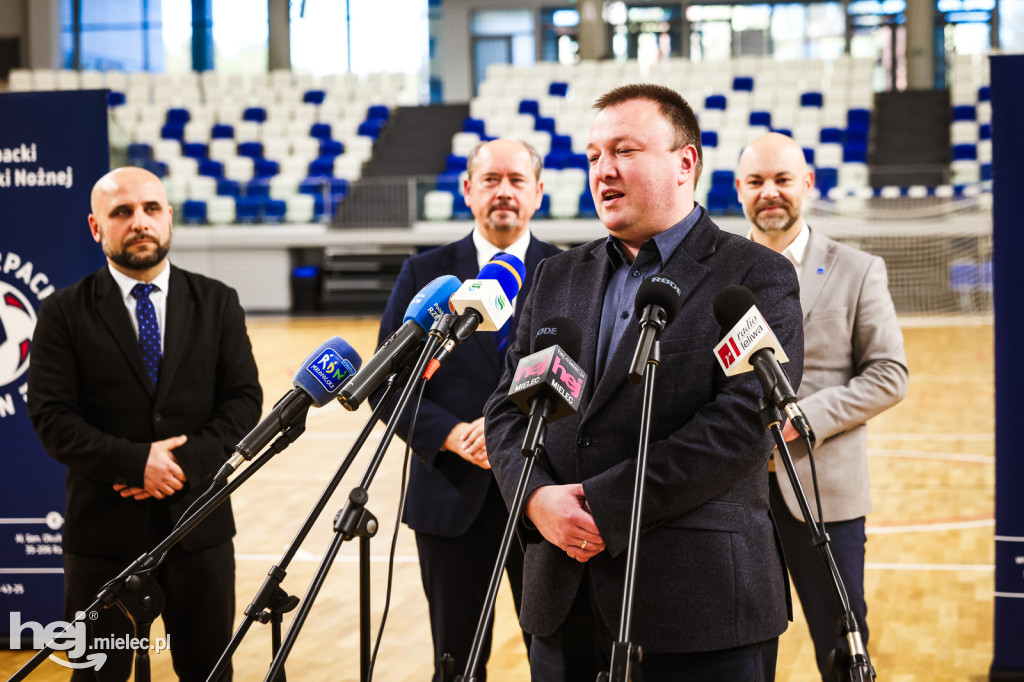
(446, 492)
(710, 575)
(94, 410)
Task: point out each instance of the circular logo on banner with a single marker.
(17, 321)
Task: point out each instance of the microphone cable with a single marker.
(398, 524)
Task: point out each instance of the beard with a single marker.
(137, 260)
(775, 223)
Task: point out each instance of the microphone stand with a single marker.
(271, 601)
(624, 652)
(354, 520)
(533, 446)
(134, 590)
(854, 664)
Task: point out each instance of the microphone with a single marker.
(319, 377)
(657, 303)
(485, 303)
(430, 303)
(548, 384)
(482, 304)
(749, 345)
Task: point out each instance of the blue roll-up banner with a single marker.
(53, 148)
(1007, 73)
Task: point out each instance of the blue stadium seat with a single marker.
(544, 124)
(965, 112)
(557, 159)
(314, 96)
(314, 185)
(371, 128)
(449, 182)
(558, 89)
(965, 152)
(715, 102)
(211, 168)
(587, 207)
(825, 179)
(579, 160)
(331, 148)
(743, 84)
(258, 187)
(222, 131)
(378, 112)
(459, 209)
(116, 98)
(254, 150)
(783, 131)
(139, 152)
(561, 142)
(812, 99)
(229, 188)
(157, 168)
(321, 131)
(265, 168)
(455, 163)
(855, 152)
(249, 209)
(256, 114)
(195, 150)
(985, 131)
(858, 118)
(828, 135)
(985, 94)
(173, 130)
(193, 212)
(986, 171)
(808, 155)
(321, 166)
(274, 210)
(529, 106)
(544, 211)
(857, 135)
(761, 118)
(473, 125)
(178, 114)
(708, 138)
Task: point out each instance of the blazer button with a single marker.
(583, 442)
(156, 416)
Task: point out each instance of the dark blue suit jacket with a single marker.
(445, 491)
(710, 574)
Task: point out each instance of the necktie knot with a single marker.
(141, 290)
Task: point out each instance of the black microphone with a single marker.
(749, 344)
(429, 304)
(548, 384)
(657, 303)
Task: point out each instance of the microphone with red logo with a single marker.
(749, 345)
(657, 303)
(548, 384)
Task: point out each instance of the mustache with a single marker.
(141, 238)
(502, 206)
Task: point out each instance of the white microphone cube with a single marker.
(486, 297)
(748, 336)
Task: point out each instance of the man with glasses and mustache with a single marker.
(854, 368)
(141, 383)
(453, 502)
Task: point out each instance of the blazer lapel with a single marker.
(178, 328)
(817, 268)
(112, 311)
(684, 267)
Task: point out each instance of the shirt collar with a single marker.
(485, 250)
(125, 283)
(665, 243)
(797, 249)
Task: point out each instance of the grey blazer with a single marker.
(854, 368)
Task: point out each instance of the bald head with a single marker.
(772, 184)
(131, 220)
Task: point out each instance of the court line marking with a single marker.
(924, 454)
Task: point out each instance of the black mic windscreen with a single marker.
(731, 304)
(660, 290)
(561, 332)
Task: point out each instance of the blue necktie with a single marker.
(149, 330)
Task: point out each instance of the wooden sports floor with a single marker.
(930, 551)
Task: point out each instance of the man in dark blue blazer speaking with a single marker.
(711, 589)
(453, 503)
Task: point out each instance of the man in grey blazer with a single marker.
(854, 368)
(711, 594)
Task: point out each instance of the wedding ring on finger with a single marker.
(583, 545)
